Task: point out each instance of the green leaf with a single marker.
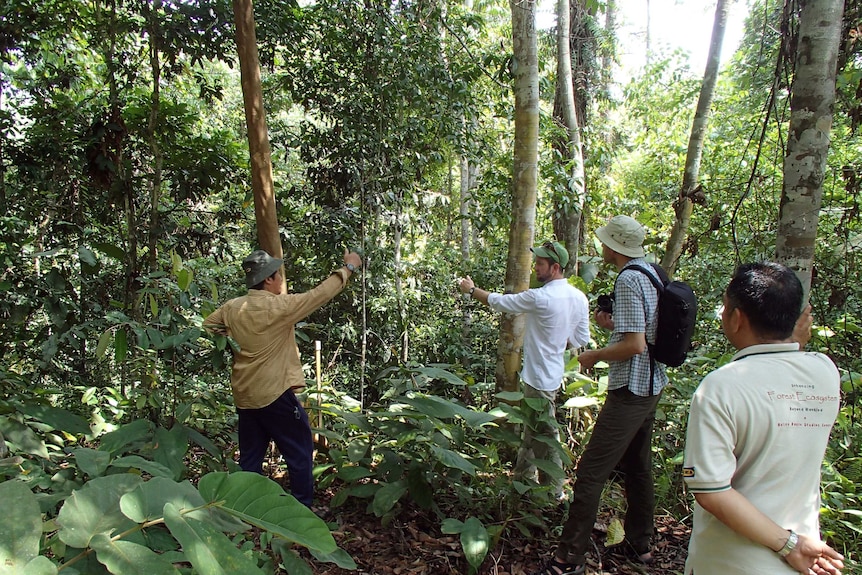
(353, 473)
(208, 550)
(420, 489)
(261, 502)
(454, 460)
(102, 346)
(56, 417)
(111, 251)
(20, 529)
(137, 462)
(115, 441)
(475, 541)
(92, 461)
(294, 564)
(38, 566)
(24, 438)
(387, 496)
(438, 373)
(510, 396)
(94, 509)
(451, 526)
(121, 345)
(340, 557)
(127, 558)
(170, 449)
(147, 501)
(184, 279)
(87, 256)
(616, 533)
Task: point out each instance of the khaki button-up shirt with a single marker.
(263, 325)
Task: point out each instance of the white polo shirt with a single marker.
(759, 424)
(556, 313)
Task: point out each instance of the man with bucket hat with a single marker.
(622, 434)
(266, 367)
(557, 314)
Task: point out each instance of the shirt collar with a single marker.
(766, 348)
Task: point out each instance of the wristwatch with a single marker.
(789, 545)
(472, 289)
(350, 267)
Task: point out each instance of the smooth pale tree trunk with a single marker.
(525, 67)
(255, 120)
(811, 101)
(568, 205)
(691, 192)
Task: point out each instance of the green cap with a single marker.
(552, 251)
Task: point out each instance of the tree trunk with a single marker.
(811, 101)
(525, 67)
(255, 120)
(155, 180)
(691, 192)
(568, 205)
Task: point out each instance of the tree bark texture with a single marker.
(258, 138)
(568, 205)
(690, 192)
(525, 68)
(811, 105)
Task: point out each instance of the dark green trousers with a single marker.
(622, 435)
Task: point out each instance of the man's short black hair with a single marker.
(770, 295)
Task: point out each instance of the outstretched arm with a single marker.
(466, 285)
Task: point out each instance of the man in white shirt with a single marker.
(557, 315)
(757, 434)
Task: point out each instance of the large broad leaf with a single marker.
(22, 437)
(126, 435)
(20, 529)
(208, 549)
(294, 564)
(439, 373)
(94, 509)
(387, 496)
(127, 558)
(475, 541)
(93, 462)
(261, 502)
(147, 502)
(137, 462)
(59, 419)
(340, 557)
(38, 566)
(454, 460)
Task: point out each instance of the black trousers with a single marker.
(285, 422)
(622, 434)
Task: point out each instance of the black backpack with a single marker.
(677, 312)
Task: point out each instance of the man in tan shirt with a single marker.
(267, 369)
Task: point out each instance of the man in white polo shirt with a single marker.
(757, 433)
(557, 314)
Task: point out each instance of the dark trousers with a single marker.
(622, 435)
(285, 422)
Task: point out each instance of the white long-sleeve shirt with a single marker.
(556, 313)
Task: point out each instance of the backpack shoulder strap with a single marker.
(658, 283)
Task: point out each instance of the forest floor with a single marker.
(412, 544)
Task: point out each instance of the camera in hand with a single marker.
(605, 303)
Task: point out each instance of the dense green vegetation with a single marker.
(125, 208)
